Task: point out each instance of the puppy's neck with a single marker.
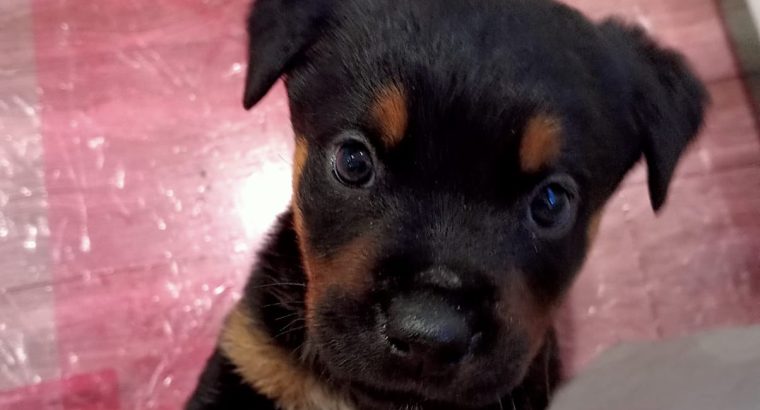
(264, 335)
(276, 290)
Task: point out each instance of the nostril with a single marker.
(475, 341)
(451, 358)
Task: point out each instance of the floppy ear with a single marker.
(669, 103)
(279, 31)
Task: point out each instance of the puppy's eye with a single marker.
(353, 164)
(553, 207)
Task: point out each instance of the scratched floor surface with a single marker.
(134, 188)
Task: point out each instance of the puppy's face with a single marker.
(451, 164)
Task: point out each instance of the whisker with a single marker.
(294, 321)
(287, 316)
(288, 331)
(295, 302)
(296, 350)
(269, 285)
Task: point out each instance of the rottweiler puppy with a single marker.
(452, 160)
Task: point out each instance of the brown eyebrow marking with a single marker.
(540, 145)
(390, 111)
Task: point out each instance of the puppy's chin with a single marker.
(378, 398)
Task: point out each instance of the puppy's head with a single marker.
(452, 159)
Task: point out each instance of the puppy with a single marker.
(452, 161)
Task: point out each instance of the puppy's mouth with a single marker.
(417, 349)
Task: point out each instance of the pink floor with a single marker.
(134, 188)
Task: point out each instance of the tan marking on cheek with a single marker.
(540, 145)
(347, 270)
(533, 316)
(593, 226)
(271, 370)
(300, 155)
(301, 236)
(390, 112)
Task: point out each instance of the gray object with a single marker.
(719, 370)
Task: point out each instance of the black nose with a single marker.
(426, 330)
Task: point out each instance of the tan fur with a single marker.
(527, 316)
(540, 145)
(346, 269)
(391, 113)
(271, 371)
(300, 156)
(534, 316)
(593, 226)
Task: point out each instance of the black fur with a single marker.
(669, 102)
(221, 388)
(451, 195)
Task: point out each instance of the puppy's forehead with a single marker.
(459, 80)
(535, 134)
(474, 44)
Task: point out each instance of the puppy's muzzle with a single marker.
(428, 328)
